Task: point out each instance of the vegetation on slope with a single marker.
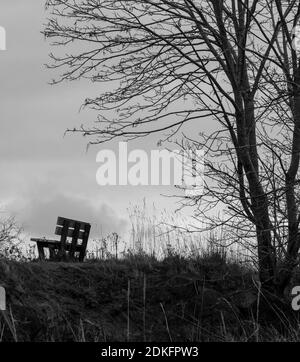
(138, 298)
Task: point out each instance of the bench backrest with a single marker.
(77, 230)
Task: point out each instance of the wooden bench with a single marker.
(73, 241)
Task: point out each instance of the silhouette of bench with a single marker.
(73, 241)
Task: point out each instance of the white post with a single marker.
(2, 38)
(2, 299)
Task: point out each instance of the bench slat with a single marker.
(61, 220)
(70, 232)
(44, 239)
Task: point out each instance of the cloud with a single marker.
(43, 174)
(40, 213)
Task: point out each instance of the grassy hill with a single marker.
(139, 298)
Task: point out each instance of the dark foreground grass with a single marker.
(139, 298)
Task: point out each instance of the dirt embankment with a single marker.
(204, 299)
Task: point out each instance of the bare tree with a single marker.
(167, 63)
(10, 237)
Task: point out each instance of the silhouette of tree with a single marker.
(167, 63)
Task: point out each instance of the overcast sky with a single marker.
(43, 173)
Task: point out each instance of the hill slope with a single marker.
(140, 298)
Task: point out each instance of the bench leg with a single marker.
(52, 254)
(41, 251)
(81, 255)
